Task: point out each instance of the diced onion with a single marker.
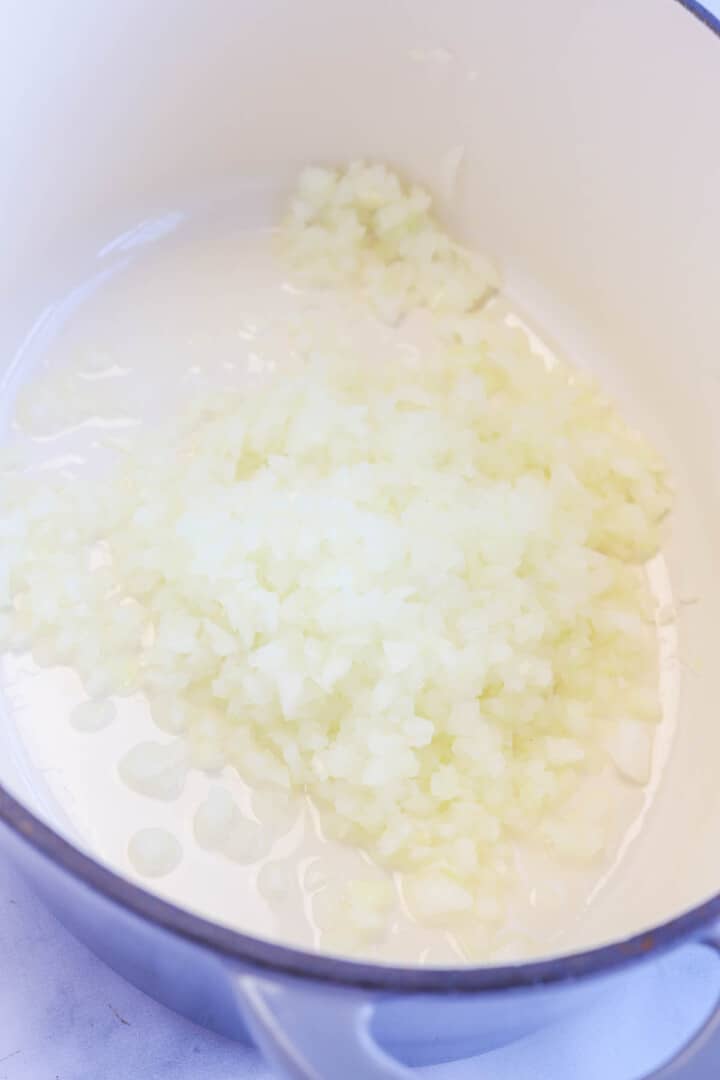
(413, 591)
(154, 852)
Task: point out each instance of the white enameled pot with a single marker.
(591, 167)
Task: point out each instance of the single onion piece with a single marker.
(434, 898)
(220, 826)
(93, 715)
(630, 747)
(213, 818)
(158, 770)
(276, 880)
(154, 852)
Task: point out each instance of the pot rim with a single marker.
(234, 945)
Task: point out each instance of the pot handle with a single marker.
(316, 1034)
(325, 1034)
(699, 1059)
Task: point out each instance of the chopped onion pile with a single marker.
(414, 592)
(363, 230)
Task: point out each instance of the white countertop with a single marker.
(65, 1016)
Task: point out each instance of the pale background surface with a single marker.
(65, 1016)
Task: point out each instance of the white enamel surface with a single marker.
(588, 167)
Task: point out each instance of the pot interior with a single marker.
(590, 170)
